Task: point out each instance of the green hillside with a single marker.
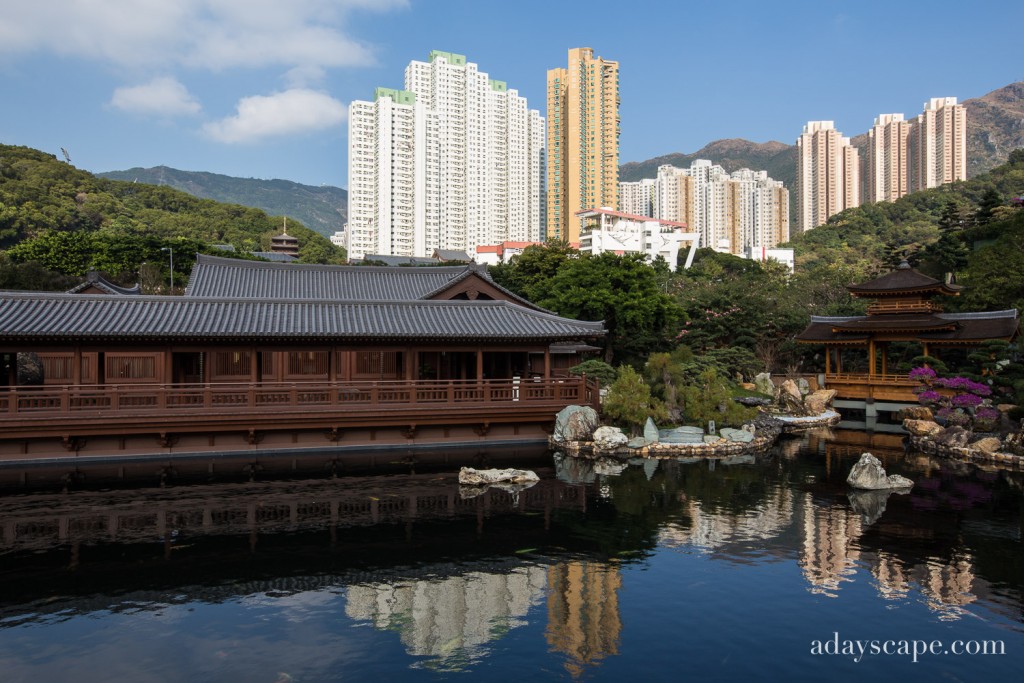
(69, 221)
(322, 209)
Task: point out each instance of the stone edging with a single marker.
(929, 446)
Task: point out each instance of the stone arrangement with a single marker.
(962, 444)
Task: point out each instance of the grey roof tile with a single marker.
(27, 316)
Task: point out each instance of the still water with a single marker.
(747, 569)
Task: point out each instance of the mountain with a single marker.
(323, 209)
(778, 158)
(995, 127)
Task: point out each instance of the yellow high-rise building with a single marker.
(583, 141)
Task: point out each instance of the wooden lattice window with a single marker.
(58, 368)
(234, 364)
(307, 363)
(378, 365)
(123, 367)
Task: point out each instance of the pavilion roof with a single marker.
(94, 279)
(953, 327)
(903, 280)
(33, 316)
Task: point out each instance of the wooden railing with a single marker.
(164, 400)
(882, 307)
(865, 378)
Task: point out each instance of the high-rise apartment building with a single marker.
(938, 144)
(638, 197)
(886, 176)
(583, 141)
(827, 174)
(452, 161)
(730, 212)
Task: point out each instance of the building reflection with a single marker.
(450, 620)
(583, 612)
(712, 529)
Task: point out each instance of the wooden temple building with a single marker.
(862, 353)
(265, 357)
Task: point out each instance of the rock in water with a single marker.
(576, 423)
(472, 477)
(869, 474)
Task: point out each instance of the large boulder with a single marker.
(609, 438)
(922, 428)
(764, 384)
(818, 402)
(575, 423)
(869, 474)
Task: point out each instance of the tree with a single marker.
(990, 201)
(629, 401)
(623, 292)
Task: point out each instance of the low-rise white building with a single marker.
(762, 254)
(623, 233)
(493, 254)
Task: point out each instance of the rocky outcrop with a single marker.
(820, 401)
(609, 438)
(791, 401)
(869, 474)
(988, 444)
(472, 477)
(915, 413)
(922, 427)
(575, 423)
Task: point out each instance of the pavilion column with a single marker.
(885, 359)
(253, 363)
(332, 365)
(924, 346)
(871, 358)
(168, 366)
(410, 363)
(76, 366)
(547, 362)
(828, 360)
(479, 364)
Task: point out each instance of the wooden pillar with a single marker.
(871, 358)
(885, 359)
(547, 362)
(479, 364)
(828, 360)
(410, 363)
(76, 367)
(254, 376)
(168, 366)
(925, 347)
(332, 365)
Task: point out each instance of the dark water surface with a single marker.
(648, 571)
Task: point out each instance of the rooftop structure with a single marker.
(623, 233)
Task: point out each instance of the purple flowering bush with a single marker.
(969, 407)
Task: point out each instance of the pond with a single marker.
(742, 569)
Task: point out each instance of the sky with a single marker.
(260, 88)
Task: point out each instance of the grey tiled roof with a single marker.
(387, 260)
(276, 256)
(32, 316)
(233, 278)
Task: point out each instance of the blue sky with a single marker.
(260, 88)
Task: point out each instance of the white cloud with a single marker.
(164, 97)
(290, 112)
(206, 34)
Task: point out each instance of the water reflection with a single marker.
(548, 574)
(450, 620)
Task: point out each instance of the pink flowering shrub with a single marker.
(968, 407)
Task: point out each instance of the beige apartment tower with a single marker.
(827, 174)
(583, 141)
(887, 175)
(938, 144)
